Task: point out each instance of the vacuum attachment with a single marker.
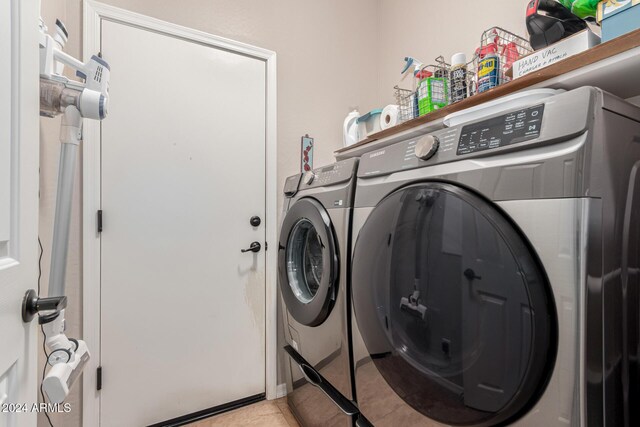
(411, 305)
(549, 22)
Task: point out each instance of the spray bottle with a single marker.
(488, 67)
(417, 68)
(510, 54)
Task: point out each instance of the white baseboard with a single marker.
(281, 390)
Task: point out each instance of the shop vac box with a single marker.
(618, 17)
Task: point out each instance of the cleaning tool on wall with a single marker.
(73, 100)
(350, 129)
(389, 116)
(548, 22)
(306, 157)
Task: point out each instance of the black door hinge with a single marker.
(266, 246)
(99, 379)
(100, 221)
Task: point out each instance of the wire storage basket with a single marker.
(498, 50)
(438, 85)
(441, 84)
(433, 87)
(406, 100)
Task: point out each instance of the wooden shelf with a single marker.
(613, 66)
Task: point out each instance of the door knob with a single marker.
(255, 221)
(471, 275)
(33, 304)
(253, 247)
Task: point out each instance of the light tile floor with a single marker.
(269, 413)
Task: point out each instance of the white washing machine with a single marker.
(313, 273)
(496, 267)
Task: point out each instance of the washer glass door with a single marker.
(304, 260)
(308, 262)
(453, 306)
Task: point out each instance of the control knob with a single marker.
(308, 177)
(426, 147)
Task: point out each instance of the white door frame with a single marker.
(94, 13)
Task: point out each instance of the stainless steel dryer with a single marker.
(313, 255)
(496, 269)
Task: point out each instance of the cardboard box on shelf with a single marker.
(563, 49)
(618, 17)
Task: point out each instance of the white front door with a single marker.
(183, 171)
(18, 208)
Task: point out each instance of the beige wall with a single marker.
(426, 29)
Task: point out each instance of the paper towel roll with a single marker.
(389, 116)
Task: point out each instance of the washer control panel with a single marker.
(500, 131)
(329, 175)
(291, 185)
(308, 177)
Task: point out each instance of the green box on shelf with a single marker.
(433, 93)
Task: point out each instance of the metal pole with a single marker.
(70, 138)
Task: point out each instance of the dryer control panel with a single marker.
(481, 138)
(500, 131)
(558, 119)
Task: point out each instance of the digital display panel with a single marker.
(511, 128)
